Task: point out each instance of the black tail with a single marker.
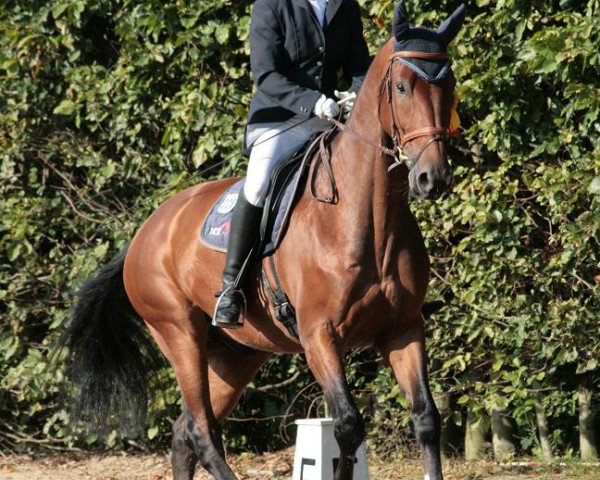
(110, 354)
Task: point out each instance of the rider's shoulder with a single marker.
(271, 4)
(280, 6)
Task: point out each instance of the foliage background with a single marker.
(108, 106)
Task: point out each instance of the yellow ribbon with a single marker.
(454, 128)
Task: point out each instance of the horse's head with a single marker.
(417, 98)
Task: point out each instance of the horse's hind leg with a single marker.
(229, 371)
(182, 336)
(183, 456)
(405, 353)
(325, 361)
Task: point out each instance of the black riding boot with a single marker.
(243, 234)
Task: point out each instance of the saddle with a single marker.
(286, 184)
(286, 181)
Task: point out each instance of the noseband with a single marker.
(437, 134)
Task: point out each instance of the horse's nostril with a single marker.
(431, 184)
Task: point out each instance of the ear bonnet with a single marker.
(419, 39)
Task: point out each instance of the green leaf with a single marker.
(59, 8)
(222, 33)
(152, 432)
(594, 186)
(66, 107)
(188, 21)
(14, 251)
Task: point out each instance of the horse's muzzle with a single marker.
(429, 182)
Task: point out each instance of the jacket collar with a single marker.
(330, 11)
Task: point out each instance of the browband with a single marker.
(421, 55)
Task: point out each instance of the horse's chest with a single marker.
(367, 313)
(382, 305)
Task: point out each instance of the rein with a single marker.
(364, 138)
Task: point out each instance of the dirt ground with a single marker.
(269, 466)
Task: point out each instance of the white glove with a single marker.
(346, 101)
(326, 108)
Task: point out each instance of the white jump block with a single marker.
(317, 452)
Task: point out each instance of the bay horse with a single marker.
(356, 270)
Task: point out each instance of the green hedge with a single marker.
(108, 106)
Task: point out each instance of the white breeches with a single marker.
(273, 143)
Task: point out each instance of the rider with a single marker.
(297, 50)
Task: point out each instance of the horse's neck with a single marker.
(372, 200)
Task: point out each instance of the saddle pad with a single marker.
(214, 232)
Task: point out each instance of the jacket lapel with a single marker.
(332, 8)
(302, 3)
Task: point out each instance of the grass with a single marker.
(385, 469)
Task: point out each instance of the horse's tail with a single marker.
(110, 354)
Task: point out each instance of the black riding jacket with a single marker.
(294, 60)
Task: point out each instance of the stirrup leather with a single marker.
(242, 314)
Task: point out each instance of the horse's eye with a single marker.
(400, 88)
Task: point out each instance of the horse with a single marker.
(356, 270)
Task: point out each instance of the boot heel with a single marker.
(240, 320)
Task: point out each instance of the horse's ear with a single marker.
(400, 26)
(450, 27)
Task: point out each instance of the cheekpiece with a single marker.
(419, 39)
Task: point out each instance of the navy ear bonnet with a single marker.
(419, 39)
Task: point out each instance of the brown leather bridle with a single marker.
(437, 134)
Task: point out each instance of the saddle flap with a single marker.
(281, 177)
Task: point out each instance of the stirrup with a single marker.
(242, 314)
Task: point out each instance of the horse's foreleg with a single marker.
(325, 361)
(405, 353)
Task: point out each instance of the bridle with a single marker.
(436, 134)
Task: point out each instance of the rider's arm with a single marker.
(266, 47)
(357, 59)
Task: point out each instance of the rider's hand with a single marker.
(326, 108)
(346, 101)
